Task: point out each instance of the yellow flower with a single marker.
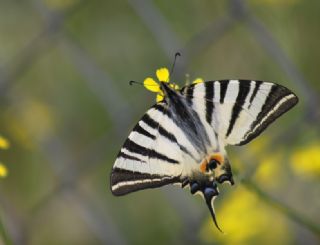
(163, 76)
(269, 171)
(4, 144)
(246, 220)
(306, 161)
(3, 171)
(151, 85)
(198, 80)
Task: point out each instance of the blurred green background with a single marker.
(66, 108)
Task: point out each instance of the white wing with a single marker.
(174, 136)
(153, 155)
(238, 110)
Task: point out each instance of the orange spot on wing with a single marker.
(217, 156)
(203, 166)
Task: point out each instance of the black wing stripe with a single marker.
(238, 105)
(126, 181)
(255, 91)
(189, 94)
(151, 153)
(121, 175)
(186, 118)
(163, 132)
(223, 89)
(162, 109)
(270, 101)
(173, 139)
(167, 135)
(278, 101)
(126, 156)
(292, 101)
(149, 121)
(209, 101)
(142, 131)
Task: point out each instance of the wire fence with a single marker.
(92, 211)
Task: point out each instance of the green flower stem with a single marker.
(292, 214)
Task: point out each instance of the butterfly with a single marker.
(182, 138)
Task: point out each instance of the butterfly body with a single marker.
(182, 138)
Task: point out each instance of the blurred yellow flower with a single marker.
(246, 220)
(30, 120)
(268, 172)
(3, 171)
(4, 144)
(259, 145)
(267, 167)
(306, 161)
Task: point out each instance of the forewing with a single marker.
(239, 110)
(153, 155)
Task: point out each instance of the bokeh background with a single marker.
(66, 108)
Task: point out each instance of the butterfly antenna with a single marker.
(174, 62)
(134, 82)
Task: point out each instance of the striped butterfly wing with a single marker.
(176, 136)
(152, 155)
(239, 110)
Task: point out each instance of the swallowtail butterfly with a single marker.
(182, 138)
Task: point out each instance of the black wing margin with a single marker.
(278, 101)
